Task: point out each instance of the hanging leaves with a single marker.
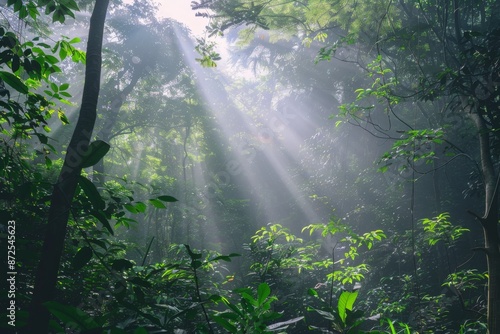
(96, 151)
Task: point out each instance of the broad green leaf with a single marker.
(95, 152)
(157, 203)
(81, 258)
(262, 293)
(57, 16)
(71, 4)
(234, 308)
(140, 207)
(167, 199)
(346, 302)
(13, 81)
(75, 40)
(130, 208)
(226, 324)
(104, 221)
(91, 191)
(51, 59)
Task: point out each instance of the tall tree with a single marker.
(64, 189)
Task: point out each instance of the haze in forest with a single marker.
(290, 167)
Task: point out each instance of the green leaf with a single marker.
(167, 199)
(130, 208)
(262, 293)
(346, 302)
(62, 117)
(75, 40)
(57, 16)
(71, 4)
(312, 292)
(51, 59)
(92, 193)
(81, 258)
(16, 63)
(140, 207)
(63, 53)
(104, 221)
(95, 152)
(226, 324)
(234, 308)
(17, 6)
(13, 81)
(157, 203)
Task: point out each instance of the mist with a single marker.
(260, 168)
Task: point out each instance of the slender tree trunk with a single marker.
(64, 189)
(489, 222)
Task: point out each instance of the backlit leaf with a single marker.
(262, 293)
(157, 203)
(13, 81)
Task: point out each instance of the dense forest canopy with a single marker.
(300, 167)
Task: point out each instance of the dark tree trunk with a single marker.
(65, 187)
(489, 222)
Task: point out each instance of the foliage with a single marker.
(440, 229)
(348, 273)
(137, 260)
(207, 53)
(251, 314)
(346, 319)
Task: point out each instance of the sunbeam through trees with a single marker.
(236, 166)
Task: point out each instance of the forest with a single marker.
(305, 166)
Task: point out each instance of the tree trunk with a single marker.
(64, 189)
(489, 222)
